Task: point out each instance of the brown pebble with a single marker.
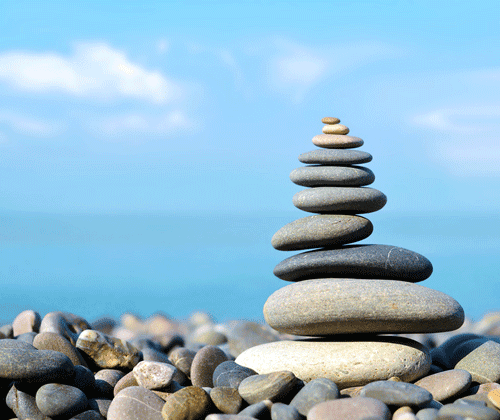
(125, 382)
(226, 399)
(204, 364)
(57, 342)
(330, 120)
(190, 403)
(335, 129)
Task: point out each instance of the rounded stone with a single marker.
(447, 384)
(125, 382)
(427, 413)
(397, 393)
(482, 363)
(190, 403)
(154, 375)
(347, 361)
(226, 399)
(57, 399)
(246, 334)
(321, 230)
(356, 261)
(272, 386)
(84, 379)
(332, 176)
(280, 411)
(335, 129)
(66, 324)
(26, 321)
(357, 408)
(23, 404)
(337, 141)
(230, 374)
(57, 342)
(335, 157)
(474, 411)
(134, 403)
(314, 392)
(204, 364)
(330, 120)
(340, 200)
(182, 358)
(338, 306)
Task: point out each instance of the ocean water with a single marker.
(107, 264)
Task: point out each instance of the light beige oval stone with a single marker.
(330, 120)
(335, 129)
(347, 363)
(337, 141)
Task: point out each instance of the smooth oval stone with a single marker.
(57, 399)
(335, 176)
(260, 410)
(447, 384)
(101, 405)
(338, 306)
(88, 415)
(230, 374)
(482, 363)
(404, 413)
(397, 393)
(321, 230)
(11, 343)
(108, 352)
(66, 324)
(27, 337)
(469, 410)
(315, 392)
(35, 366)
(340, 200)
(271, 386)
(110, 376)
(348, 362)
(56, 342)
(134, 403)
(84, 379)
(204, 365)
(444, 353)
(356, 261)
(23, 404)
(26, 321)
(246, 334)
(330, 120)
(182, 358)
(228, 417)
(226, 399)
(357, 408)
(467, 347)
(427, 413)
(280, 411)
(335, 157)
(125, 382)
(189, 403)
(337, 141)
(154, 375)
(335, 129)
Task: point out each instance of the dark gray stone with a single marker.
(204, 364)
(315, 392)
(397, 393)
(356, 261)
(88, 415)
(280, 411)
(101, 405)
(56, 342)
(84, 379)
(476, 412)
(260, 410)
(230, 374)
(345, 200)
(134, 403)
(226, 399)
(10, 343)
(332, 176)
(273, 386)
(57, 400)
(335, 157)
(27, 337)
(23, 404)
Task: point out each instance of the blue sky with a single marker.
(203, 107)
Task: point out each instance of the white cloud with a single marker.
(94, 70)
(30, 126)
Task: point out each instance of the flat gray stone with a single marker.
(280, 411)
(482, 363)
(351, 200)
(334, 176)
(397, 393)
(348, 362)
(134, 403)
(447, 384)
(335, 157)
(337, 141)
(356, 261)
(320, 231)
(474, 411)
(230, 374)
(271, 386)
(315, 392)
(58, 399)
(338, 306)
(357, 408)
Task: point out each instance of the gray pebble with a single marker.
(135, 403)
(447, 384)
(182, 358)
(204, 364)
(356, 408)
(56, 342)
(469, 410)
(335, 157)
(23, 404)
(57, 399)
(482, 363)
(314, 392)
(230, 374)
(427, 413)
(397, 393)
(273, 386)
(226, 399)
(280, 411)
(260, 410)
(246, 334)
(66, 324)
(154, 375)
(332, 176)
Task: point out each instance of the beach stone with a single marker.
(335, 129)
(27, 337)
(427, 413)
(35, 365)
(26, 321)
(190, 403)
(125, 382)
(280, 411)
(83, 379)
(474, 411)
(486, 387)
(356, 261)
(7, 331)
(356, 408)
(467, 347)
(347, 200)
(182, 358)
(246, 334)
(23, 404)
(68, 325)
(482, 363)
(260, 410)
(314, 392)
(337, 306)
(348, 361)
(397, 393)
(337, 141)
(101, 405)
(443, 354)
(57, 399)
(135, 403)
(11, 343)
(154, 375)
(226, 399)
(207, 334)
(321, 230)
(108, 352)
(228, 417)
(335, 157)
(446, 384)
(404, 413)
(204, 364)
(271, 386)
(88, 415)
(335, 176)
(230, 374)
(56, 342)
(330, 120)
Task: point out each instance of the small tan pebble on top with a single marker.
(335, 129)
(330, 120)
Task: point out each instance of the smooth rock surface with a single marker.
(321, 230)
(271, 386)
(447, 384)
(189, 403)
(66, 324)
(154, 375)
(23, 404)
(226, 399)
(135, 403)
(26, 321)
(337, 306)
(246, 334)
(357, 408)
(204, 364)
(348, 362)
(335, 176)
(314, 392)
(230, 374)
(335, 157)
(182, 358)
(350, 200)
(397, 393)
(335, 129)
(330, 120)
(337, 141)
(483, 363)
(356, 261)
(474, 411)
(57, 399)
(280, 411)
(56, 342)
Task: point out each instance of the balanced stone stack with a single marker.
(345, 296)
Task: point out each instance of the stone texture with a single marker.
(474, 411)
(350, 200)
(397, 393)
(135, 403)
(447, 384)
(357, 408)
(190, 403)
(337, 141)
(230, 374)
(204, 364)
(260, 410)
(26, 321)
(83, 379)
(271, 386)
(56, 342)
(68, 325)
(335, 129)
(154, 375)
(482, 363)
(226, 399)
(280, 411)
(125, 382)
(356, 261)
(182, 358)
(108, 352)
(320, 231)
(330, 120)
(315, 392)
(335, 157)
(246, 334)
(101, 405)
(334, 176)
(23, 404)
(57, 400)
(322, 306)
(348, 362)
